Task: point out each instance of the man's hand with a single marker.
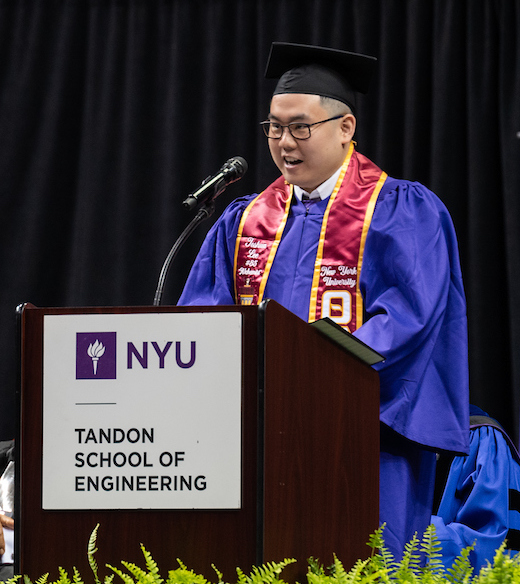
(8, 522)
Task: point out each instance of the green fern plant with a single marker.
(363, 572)
(183, 575)
(91, 552)
(461, 571)
(382, 559)
(41, 580)
(421, 564)
(268, 573)
(505, 568)
(431, 548)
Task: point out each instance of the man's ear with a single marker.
(348, 127)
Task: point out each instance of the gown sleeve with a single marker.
(210, 281)
(416, 316)
(475, 504)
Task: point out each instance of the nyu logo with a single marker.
(142, 356)
(96, 355)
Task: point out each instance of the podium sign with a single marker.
(209, 434)
(133, 411)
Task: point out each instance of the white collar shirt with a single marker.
(321, 192)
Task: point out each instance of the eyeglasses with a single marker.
(298, 130)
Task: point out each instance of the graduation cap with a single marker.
(319, 71)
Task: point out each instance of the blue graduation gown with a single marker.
(416, 317)
(476, 505)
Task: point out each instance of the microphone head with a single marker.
(231, 171)
(235, 168)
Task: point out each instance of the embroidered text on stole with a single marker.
(335, 285)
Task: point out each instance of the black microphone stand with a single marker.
(203, 213)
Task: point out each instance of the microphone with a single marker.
(232, 170)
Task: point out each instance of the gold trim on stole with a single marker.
(319, 254)
(237, 242)
(272, 251)
(366, 224)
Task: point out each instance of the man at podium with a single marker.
(335, 236)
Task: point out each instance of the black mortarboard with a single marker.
(319, 71)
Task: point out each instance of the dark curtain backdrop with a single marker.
(112, 111)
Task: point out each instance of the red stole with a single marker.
(335, 285)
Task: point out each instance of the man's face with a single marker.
(309, 163)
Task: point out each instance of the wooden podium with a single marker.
(309, 462)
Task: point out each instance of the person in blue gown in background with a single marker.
(392, 248)
(480, 503)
